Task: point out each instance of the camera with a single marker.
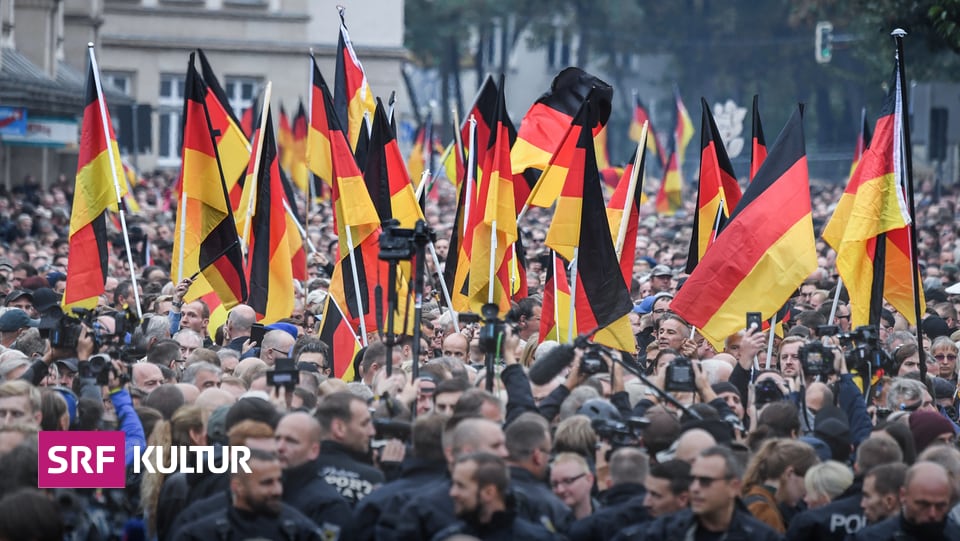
(620, 433)
(592, 361)
(284, 374)
(398, 244)
(391, 429)
(99, 367)
(766, 391)
(817, 360)
(680, 377)
(863, 351)
(68, 329)
(492, 329)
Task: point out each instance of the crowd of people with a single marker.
(819, 432)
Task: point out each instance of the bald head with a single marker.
(926, 493)
(147, 376)
(240, 320)
(190, 392)
(212, 398)
(456, 346)
(818, 395)
(692, 442)
(476, 435)
(298, 439)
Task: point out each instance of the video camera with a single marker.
(391, 429)
(398, 244)
(766, 391)
(99, 367)
(618, 432)
(817, 360)
(68, 329)
(863, 351)
(680, 377)
(492, 329)
(284, 374)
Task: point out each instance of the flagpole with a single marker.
(303, 232)
(113, 173)
(423, 183)
(556, 294)
(631, 191)
(573, 293)
(443, 287)
(311, 188)
(836, 301)
(773, 326)
(183, 228)
(493, 260)
(356, 284)
(470, 173)
(251, 201)
(907, 156)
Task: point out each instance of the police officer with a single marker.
(257, 510)
(346, 428)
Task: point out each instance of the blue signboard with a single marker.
(13, 121)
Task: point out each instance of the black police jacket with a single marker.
(195, 511)
(307, 492)
(503, 525)
(348, 472)
(232, 524)
(426, 514)
(682, 526)
(622, 507)
(897, 529)
(537, 503)
(832, 522)
(376, 516)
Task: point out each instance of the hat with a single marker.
(70, 364)
(952, 290)
(16, 294)
(831, 426)
(822, 449)
(949, 268)
(725, 387)
(16, 319)
(5, 265)
(54, 277)
(943, 388)
(645, 306)
(926, 426)
(661, 270)
(217, 425)
(44, 299)
(935, 326)
(71, 399)
(285, 327)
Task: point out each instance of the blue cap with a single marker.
(645, 306)
(288, 328)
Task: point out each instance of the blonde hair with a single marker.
(775, 456)
(573, 457)
(828, 479)
(575, 435)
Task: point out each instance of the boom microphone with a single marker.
(551, 364)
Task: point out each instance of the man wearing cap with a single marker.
(660, 278)
(12, 323)
(22, 299)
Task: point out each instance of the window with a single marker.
(241, 92)
(118, 80)
(169, 107)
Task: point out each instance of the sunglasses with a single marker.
(942, 357)
(705, 482)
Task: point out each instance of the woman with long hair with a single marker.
(775, 476)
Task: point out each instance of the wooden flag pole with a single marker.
(906, 155)
(443, 287)
(631, 191)
(183, 229)
(252, 200)
(773, 327)
(556, 294)
(573, 293)
(467, 199)
(356, 284)
(303, 232)
(113, 173)
(836, 301)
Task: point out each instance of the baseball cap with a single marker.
(44, 299)
(16, 319)
(17, 293)
(661, 270)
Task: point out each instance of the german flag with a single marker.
(363, 144)
(318, 137)
(386, 176)
(418, 160)
(456, 270)
(298, 252)
(758, 146)
(206, 231)
(555, 313)
(641, 115)
(771, 233)
(619, 209)
(352, 95)
(580, 233)
(718, 192)
(600, 147)
(233, 146)
(670, 194)
(98, 169)
(863, 141)
(548, 119)
(484, 111)
(336, 333)
(299, 173)
(269, 261)
(495, 216)
(683, 132)
(869, 228)
(246, 121)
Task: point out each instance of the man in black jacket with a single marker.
(714, 511)
(623, 502)
(480, 494)
(298, 446)
(844, 516)
(375, 515)
(528, 445)
(256, 509)
(926, 497)
(344, 460)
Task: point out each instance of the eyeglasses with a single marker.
(280, 351)
(705, 482)
(843, 316)
(661, 311)
(941, 357)
(568, 481)
(918, 405)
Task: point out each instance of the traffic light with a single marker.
(824, 42)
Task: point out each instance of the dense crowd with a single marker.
(818, 432)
